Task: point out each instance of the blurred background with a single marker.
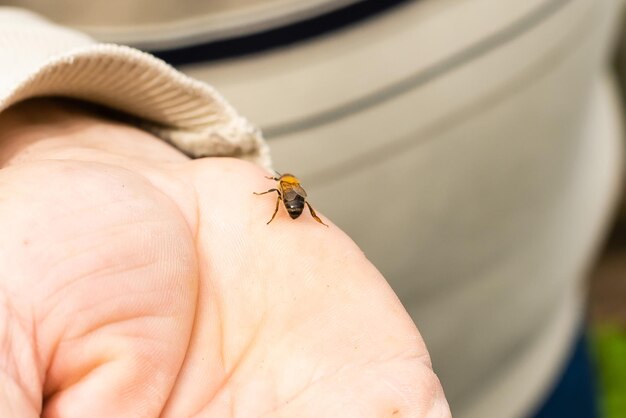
(472, 148)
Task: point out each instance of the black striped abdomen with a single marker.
(294, 206)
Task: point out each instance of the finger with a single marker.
(293, 315)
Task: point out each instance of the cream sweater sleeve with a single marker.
(39, 58)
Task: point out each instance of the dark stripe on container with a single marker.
(277, 37)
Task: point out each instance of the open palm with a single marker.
(135, 282)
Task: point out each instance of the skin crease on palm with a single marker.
(135, 282)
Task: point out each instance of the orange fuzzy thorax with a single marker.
(289, 179)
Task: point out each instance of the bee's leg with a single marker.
(274, 178)
(314, 215)
(269, 191)
(275, 210)
(278, 199)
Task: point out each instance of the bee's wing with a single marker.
(299, 190)
(292, 191)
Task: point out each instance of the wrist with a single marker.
(64, 129)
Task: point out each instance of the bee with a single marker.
(293, 196)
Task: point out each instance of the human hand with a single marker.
(135, 282)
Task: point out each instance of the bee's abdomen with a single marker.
(295, 206)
